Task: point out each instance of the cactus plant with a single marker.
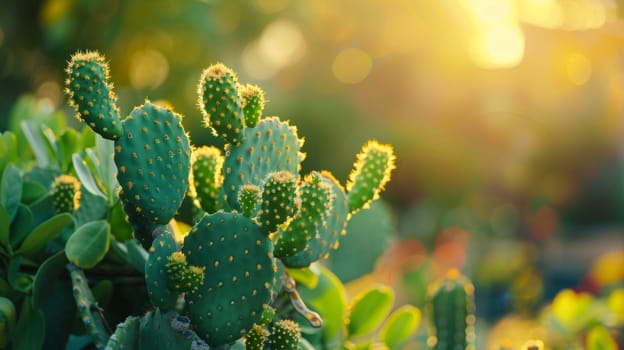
(450, 311)
(65, 194)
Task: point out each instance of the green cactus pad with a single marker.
(126, 335)
(253, 103)
(145, 229)
(450, 312)
(285, 335)
(370, 174)
(182, 277)
(271, 146)
(156, 332)
(153, 159)
(329, 234)
(206, 177)
(239, 275)
(255, 339)
(316, 202)
(156, 277)
(221, 104)
(278, 200)
(91, 95)
(65, 194)
(90, 313)
(248, 198)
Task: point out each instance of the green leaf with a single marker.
(369, 309)
(37, 143)
(11, 190)
(18, 280)
(85, 176)
(32, 191)
(30, 328)
(21, 226)
(7, 321)
(43, 233)
(46, 276)
(400, 326)
(304, 276)
(107, 170)
(67, 145)
(52, 145)
(328, 298)
(8, 149)
(598, 338)
(123, 230)
(42, 210)
(88, 245)
(137, 255)
(4, 228)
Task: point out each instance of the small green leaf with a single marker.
(4, 228)
(18, 280)
(7, 321)
(85, 176)
(37, 143)
(21, 226)
(137, 255)
(369, 309)
(123, 230)
(30, 328)
(43, 233)
(32, 191)
(46, 276)
(11, 190)
(400, 326)
(8, 149)
(304, 276)
(67, 142)
(88, 245)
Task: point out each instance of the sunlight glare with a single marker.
(490, 11)
(352, 65)
(542, 13)
(148, 69)
(499, 46)
(578, 68)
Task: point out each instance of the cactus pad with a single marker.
(450, 310)
(316, 202)
(253, 103)
(370, 174)
(182, 277)
(90, 312)
(91, 95)
(270, 146)
(329, 234)
(206, 177)
(240, 272)
(221, 103)
(255, 339)
(156, 277)
(248, 198)
(285, 335)
(65, 194)
(278, 200)
(153, 159)
(126, 335)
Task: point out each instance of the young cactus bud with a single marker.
(278, 200)
(91, 95)
(248, 198)
(220, 102)
(65, 194)
(370, 174)
(253, 103)
(182, 277)
(450, 310)
(255, 339)
(206, 177)
(316, 201)
(285, 334)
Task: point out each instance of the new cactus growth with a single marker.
(182, 277)
(91, 95)
(370, 174)
(248, 198)
(255, 339)
(450, 309)
(278, 200)
(221, 103)
(206, 177)
(65, 194)
(156, 275)
(285, 335)
(253, 103)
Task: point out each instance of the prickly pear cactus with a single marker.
(239, 275)
(286, 335)
(156, 276)
(221, 103)
(183, 277)
(255, 339)
(91, 95)
(253, 103)
(248, 197)
(370, 174)
(65, 194)
(450, 310)
(278, 200)
(206, 177)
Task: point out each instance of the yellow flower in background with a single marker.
(571, 309)
(608, 268)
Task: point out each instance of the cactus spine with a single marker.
(450, 310)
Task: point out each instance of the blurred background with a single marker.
(506, 117)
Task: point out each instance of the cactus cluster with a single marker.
(259, 213)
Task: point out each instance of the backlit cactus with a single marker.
(285, 335)
(206, 177)
(156, 274)
(183, 277)
(370, 174)
(450, 311)
(255, 339)
(248, 197)
(278, 200)
(221, 103)
(253, 103)
(91, 95)
(65, 194)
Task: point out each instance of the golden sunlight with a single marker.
(498, 46)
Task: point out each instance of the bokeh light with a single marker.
(351, 66)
